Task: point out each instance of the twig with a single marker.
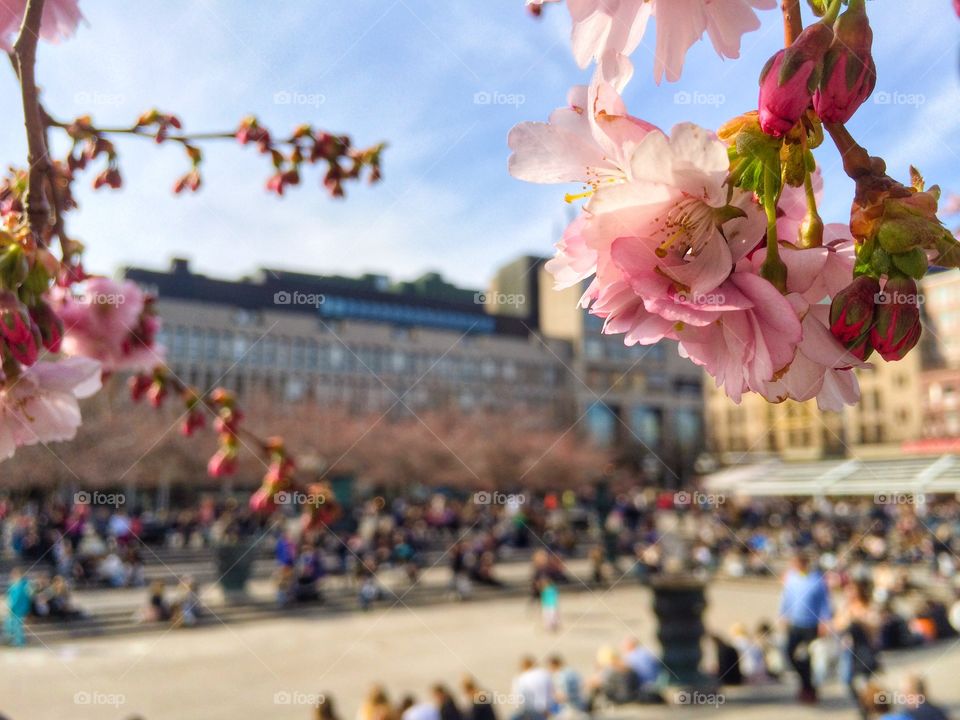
(38, 159)
(792, 21)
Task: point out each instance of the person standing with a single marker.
(550, 605)
(19, 596)
(804, 610)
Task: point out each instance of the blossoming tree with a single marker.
(713, 239)
(63, 331)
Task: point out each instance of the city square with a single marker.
(412, 360)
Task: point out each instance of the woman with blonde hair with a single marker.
(376, 706)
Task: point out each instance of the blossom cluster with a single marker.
(64, 332)
(713, 239)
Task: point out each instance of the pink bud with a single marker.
(223, 463)
(789, 78)
(849, 74)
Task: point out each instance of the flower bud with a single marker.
(15, 322)
(223, 462)
(195, 420)
(789, 79)
(49, 324)
(896, 328)
(852, 310)
(139, 385)
(849, 73)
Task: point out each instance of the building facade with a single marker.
(372, 345)
(646, 401)
(359, 342)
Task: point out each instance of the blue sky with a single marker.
(410, 72)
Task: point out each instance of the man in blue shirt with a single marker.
(804, 609)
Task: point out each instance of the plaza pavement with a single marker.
(271, 669)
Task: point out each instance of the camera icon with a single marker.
(82, 498)
(482, 498)
(283, 498)
(881, 498)
(480, 298)
(882, 98)
(882, 698)
(682, 98)
(282, 97)
(482, 98)
(282, 298)
(82, 698)
(682, 698)
(682, 498)
(482, 697)
(282, 698)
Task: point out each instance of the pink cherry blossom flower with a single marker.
(59, 22)
(40, 405)
(590, 141)
(110, 321)
(675, 198)
(605, 31)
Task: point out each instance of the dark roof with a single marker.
(259, 292)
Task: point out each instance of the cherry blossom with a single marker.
(60, 20)
(605, 31)
(112, 322)
(40, 405)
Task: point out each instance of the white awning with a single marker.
(916, 475)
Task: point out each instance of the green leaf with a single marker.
(913, 263)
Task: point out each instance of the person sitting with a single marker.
(156, 609)
(751, 658)
(533, 690)
(916, 703)
(410, 709)
(567, 689)
(325, 709)
(60, 601)
(309, 570)
(445, 704)
(641, 660)
(616, 682)
(376, 706)
(188, 606)
(479, 703)
(728, 662)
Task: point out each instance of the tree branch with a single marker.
(38, 159)
(792, 21)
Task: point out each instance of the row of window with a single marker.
(197, 345)
(340, 307)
